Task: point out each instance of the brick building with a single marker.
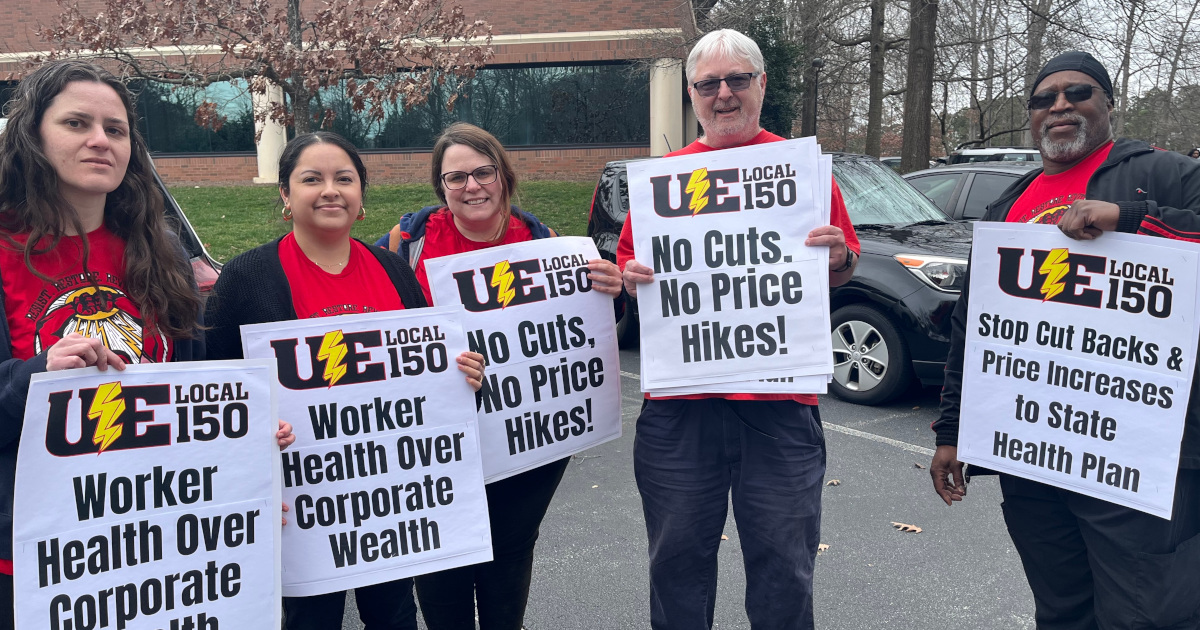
(600, 67)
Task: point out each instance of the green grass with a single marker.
(232, 219)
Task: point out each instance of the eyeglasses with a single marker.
(1074, 94)
(483, 175)
(736, 83)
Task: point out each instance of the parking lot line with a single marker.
(847, 430)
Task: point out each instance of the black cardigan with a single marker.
(252, 289)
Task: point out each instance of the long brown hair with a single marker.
(486, 144)
(158, 278)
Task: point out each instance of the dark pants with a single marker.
(1096, 565)
(7, 618)
(386, 606)
(688, 455)
(499, 588)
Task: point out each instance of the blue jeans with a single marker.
(688, 456)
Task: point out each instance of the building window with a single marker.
(166, 117)
(521, 106)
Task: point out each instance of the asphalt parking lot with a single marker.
(960, 571)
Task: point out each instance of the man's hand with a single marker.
(831, 236)
(947, 473)
(1087, 218)
(636, 273)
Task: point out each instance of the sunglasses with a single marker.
(483, 175)
(1074, 94)
(736, 83)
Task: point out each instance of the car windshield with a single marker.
(875, 194)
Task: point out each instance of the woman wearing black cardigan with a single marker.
(317, 270)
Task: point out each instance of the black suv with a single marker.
(891, 322)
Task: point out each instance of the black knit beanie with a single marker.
(1080, 62)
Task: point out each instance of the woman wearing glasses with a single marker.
(473, 177)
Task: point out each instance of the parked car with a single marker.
(993, 154)
(963, 191)
(205, 267)
(891, 322)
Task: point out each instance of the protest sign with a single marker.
(1079, 360)
(737, 295)
(149, 498)
(384, 480)
(553, 382)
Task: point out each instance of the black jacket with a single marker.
(14, 386)
(253, 289)
(1159, 194)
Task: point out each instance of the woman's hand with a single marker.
(76, 351)
(636, 273)
(605, 277)
(285, 508)
(471, 364)
(284, 436)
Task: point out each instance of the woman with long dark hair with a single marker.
(317, 270)
(91, 273)
(473, 177)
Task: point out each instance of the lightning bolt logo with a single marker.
(698, 186)
(107, 406)
(502, 277)
(333, 351)
(1054, 268)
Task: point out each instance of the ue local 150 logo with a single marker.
(705, 191)
(110, 419)
(1059, 275)
(117, 417)
(516, 282)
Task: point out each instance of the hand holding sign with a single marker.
(1087, 219)
(636, 273)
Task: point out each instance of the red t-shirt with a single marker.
(1049, 196)
(362, 287)
(442, 238)
(838, 217)
(93, 304)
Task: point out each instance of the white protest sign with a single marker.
(553, 382)
(737, 295)
(815, 384)
(149, 498)
(384, 480)
(1079, 360)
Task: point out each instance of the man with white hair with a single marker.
(690, 452)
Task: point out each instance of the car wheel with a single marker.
(870, 360)
(628, 327)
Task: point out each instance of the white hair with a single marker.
(727, 43)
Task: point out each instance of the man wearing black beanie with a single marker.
(1092, 564)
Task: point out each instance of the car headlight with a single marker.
(939, 272)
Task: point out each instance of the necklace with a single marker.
(334, 265)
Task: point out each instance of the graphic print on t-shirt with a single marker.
(93, 305)
(1051, 211)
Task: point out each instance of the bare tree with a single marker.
(378, 52)
(918, 95)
